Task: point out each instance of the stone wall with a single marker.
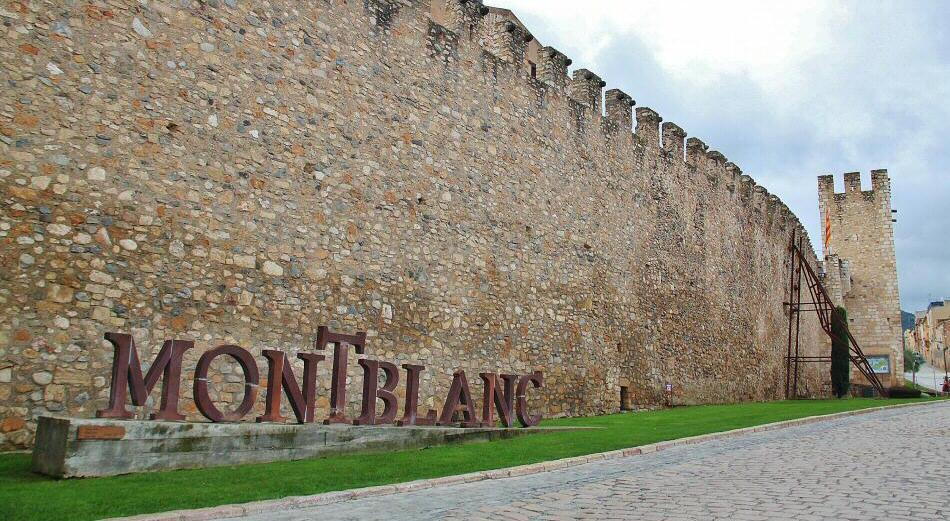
(243, 172)
(863, 235)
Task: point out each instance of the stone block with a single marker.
(71, 447)
(11, 424)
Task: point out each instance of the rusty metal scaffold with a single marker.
(817, 300)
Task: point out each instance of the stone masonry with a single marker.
(242, 172)
(861, 266)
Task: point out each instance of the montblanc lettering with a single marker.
(502, 394)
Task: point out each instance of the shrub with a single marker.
(903, 392)
(840, 348)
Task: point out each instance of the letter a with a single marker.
(459, 399)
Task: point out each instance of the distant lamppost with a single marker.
(945, 372)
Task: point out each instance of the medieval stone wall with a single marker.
(243, 172)
(863, 235)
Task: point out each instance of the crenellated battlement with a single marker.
(506, 39)
(673, 139)
(878, 197)
(503, 35)
(745, 187)
(461, 17)
(648, 127)
(696, 152)
(587, 88)
(880, 182)
(619, 112)
(552, 68)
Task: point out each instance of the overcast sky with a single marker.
(790, 91)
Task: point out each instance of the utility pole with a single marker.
(915, 364)
(933, 370)
(945, 372)
(944, 361)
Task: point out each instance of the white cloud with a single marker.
(695, 40)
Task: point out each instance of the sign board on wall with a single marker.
(880, 364)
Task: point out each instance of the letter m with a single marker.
(127, 375)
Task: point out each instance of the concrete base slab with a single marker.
(74, 447)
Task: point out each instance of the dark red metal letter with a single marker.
(504, 401)
(537, 380)
(459, 399)
(127, 375)
(339, 341)
(372, 391)
(410, 417)
(251, 379)
(280, 374)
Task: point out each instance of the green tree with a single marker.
(912, 361)
(840, 353)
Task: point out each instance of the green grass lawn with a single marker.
(25, 495)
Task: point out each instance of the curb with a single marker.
(326, 498)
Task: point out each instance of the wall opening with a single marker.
(624, 398)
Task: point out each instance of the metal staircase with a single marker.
(817, 300)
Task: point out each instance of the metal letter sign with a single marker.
(504, 394)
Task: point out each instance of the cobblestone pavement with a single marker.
(884, 465)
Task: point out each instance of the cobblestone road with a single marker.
(886, 465)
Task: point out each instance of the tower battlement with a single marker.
(880, 188)
(872, 206)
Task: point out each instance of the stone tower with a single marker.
(861, 267)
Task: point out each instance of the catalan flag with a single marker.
(827, 234)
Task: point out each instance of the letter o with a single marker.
(251, 379)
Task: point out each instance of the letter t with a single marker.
(339, 341)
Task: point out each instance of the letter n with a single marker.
(280, 374)
(503, 399)
(127, 376)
